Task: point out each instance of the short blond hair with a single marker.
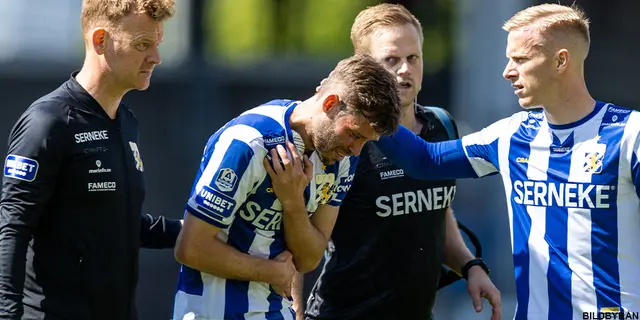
(552, 18)
(96, 12)
(382, 15)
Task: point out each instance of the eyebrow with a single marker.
(144, 36)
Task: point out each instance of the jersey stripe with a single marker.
(628, 235)
(605, 220)
(559, 293)
(521, 220)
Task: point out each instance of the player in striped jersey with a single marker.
(247, 227)
(570, 171)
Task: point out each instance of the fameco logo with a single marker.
(102, 186)
(397, 173)
(272, 141)
(100, 169)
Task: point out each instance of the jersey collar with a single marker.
(85, 99)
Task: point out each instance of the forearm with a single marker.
(424, 160)
(13, 250)
(305, 242)
(456, 252)
(220, 259)
(158, 232)
(297, 295)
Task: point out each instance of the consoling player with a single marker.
(393, 232)
(570, 171)
(247, 227)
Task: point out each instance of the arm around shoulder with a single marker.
(426, 160)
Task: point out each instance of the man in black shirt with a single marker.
(71, 221)
(393, 232)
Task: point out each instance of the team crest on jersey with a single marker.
(136, 156)
(226, 180)
(324, 187)
(593, 162)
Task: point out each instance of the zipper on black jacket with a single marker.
(129, 232)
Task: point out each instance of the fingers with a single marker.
(267, 166)
(287, 291)
(321, 83)
(284, 157)
(285, 256)
(496, 305)
(294, 151)
(276, 161)
(477, 300)
(308, 168)
(279, 291)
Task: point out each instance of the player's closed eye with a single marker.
(142, 46)
(356, 135)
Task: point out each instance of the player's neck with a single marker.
(97, 83)
(300, 121)
(571, 105)
(408, 118)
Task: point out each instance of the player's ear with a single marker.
(98, 40)
(330, 102)
(562, 60)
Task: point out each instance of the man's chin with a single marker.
(527, 103)
(327, 161)
(142, 86)
(407, 100)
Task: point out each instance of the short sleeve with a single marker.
(233, 165)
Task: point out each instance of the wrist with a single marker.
(293, 204)
(271, 272)
(477, 262)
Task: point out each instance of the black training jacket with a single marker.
(387, 245)
(71, 219)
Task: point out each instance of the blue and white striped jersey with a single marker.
(573, 202)
(233, 191)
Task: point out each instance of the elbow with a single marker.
(307, 265)
(183, 251)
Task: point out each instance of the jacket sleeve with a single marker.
(33, 160)
(158, 232)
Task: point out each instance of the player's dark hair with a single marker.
(368, 89)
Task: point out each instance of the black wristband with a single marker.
(473, 263)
